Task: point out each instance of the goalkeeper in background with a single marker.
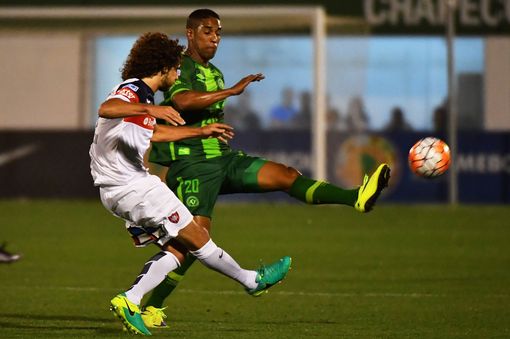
(201, 169)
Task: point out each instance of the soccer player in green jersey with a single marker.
(201, 169)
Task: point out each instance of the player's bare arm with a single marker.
(165, 133)
(166, 113)
(218, 130)
(190, 100)
(117, 108)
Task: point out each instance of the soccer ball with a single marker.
(429, 157)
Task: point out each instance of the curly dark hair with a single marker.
(152, 53)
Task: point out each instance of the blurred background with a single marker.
(348, 85)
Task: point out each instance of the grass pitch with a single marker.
(398, 272)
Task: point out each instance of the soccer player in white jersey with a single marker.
(153, 214)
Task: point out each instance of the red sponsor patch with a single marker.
(128, 93)
(174, 217)
(145, 121)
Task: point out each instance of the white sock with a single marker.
(217, 259)
(153, 272)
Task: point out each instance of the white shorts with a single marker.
(152, 212)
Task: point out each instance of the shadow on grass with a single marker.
(55, 317)
(104, 327)
(59, 323)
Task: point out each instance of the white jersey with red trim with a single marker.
(120, 144)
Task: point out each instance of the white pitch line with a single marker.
(281, 293)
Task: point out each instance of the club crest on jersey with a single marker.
(192, 201)
(174, 217)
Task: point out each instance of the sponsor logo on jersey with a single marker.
(149, 121)
(174, 217)
(145, 121)
(183, 151)
(128, 93)
(133, 87)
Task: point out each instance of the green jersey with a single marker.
(197, 77)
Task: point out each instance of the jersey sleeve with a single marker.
(126, 92)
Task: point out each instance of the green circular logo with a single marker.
(192, 201)
(360, 154)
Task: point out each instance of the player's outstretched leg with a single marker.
(129, 314)
(270, 275)
(266, 277)
(371, 188)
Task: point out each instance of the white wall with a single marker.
(41, 81)
(497, 83)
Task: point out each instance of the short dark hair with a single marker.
(200, 14)
(152, 53)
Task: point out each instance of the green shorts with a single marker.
(197, 183)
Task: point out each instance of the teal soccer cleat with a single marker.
(270, 275)
(129, 314)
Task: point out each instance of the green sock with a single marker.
(321, 192)
(163, 290)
